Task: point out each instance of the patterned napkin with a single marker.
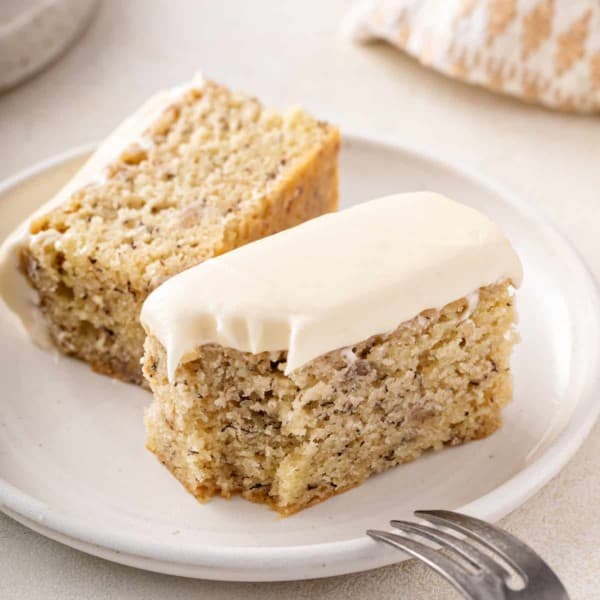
(544, 51)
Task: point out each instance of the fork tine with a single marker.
(520, 556)
(452, 571)
(467, 551)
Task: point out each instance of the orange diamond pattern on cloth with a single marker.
(542, 51)
(571, 44)
(500, 15)
(537, 27)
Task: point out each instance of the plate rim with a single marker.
(279, 563)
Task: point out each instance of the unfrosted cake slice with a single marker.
(295, 367)
(197, 171)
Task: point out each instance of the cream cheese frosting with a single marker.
(15, 291)
(333, 281)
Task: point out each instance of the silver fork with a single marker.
(478, 575)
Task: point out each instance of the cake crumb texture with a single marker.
(234, 423)
(215, 170)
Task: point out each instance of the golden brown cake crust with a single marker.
(234, 423)
(217, 171)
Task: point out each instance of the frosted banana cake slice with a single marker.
(198, 170)
(293, 368)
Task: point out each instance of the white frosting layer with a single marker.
(14, 289)
(333, 281)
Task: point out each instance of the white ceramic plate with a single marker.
(72, 458)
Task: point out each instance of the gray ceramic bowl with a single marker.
(34, 33)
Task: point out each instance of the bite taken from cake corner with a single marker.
(293, 368)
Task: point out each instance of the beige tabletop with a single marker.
(290, 52)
